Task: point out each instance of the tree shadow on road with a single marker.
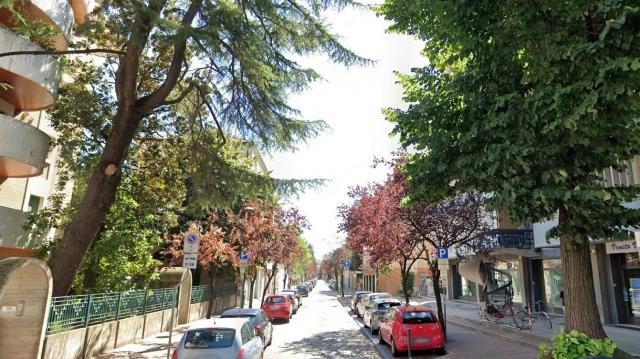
(344, 344)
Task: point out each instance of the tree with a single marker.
(374, 222)
(214, 253)
(231, 58)
(527, 101)
(332, 265)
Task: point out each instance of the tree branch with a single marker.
(153, 100)
(180, 97)
(65, 52)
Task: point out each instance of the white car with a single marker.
(220, 338)
(367, 298)
(375, 310)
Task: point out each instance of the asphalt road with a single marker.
(321, 329)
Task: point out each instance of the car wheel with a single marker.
(380, 340)
(394, 350)
(441, 351)
(287, 320)
(364, 322)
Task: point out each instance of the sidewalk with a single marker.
(467, 314)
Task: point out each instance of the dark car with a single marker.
(303, 290)
(258, 319)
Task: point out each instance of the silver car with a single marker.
(368, 298)
(375, 310)
(220, 338)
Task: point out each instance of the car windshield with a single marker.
(360, 295)
(275, 300)
(418, 318)
(387, 305)
(378, 296)
(209, 338)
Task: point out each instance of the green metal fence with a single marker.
(78, 311)
(199, 293)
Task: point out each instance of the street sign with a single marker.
(191, 242)
(191, 245)
(443, 253)
(190, 260)
(346, 264)
(244, 256)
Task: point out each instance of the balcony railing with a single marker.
(504, 239)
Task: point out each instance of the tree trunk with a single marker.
(284, 282)
(266, 287)
(435, 278)
(81, 232)
(403, 279)
(91, 275)
(581, 309)
(211, 296)
(251, 288)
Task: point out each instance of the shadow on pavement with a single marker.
(334, 344)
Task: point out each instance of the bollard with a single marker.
(409, 341)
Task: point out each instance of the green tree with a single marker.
(235, 57)
(528, 101)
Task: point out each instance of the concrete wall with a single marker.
(103, 337)
(25, 294)
(197, 311)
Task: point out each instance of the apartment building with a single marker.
(28, 86)
(534, 263)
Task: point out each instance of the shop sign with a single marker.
(630, 246)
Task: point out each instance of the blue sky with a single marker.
(350, 101)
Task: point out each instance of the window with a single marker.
(275, 300)
(263, 317)
(209, 338)
(387, 305)
(418, 318)
(246, 332)
(34, 204)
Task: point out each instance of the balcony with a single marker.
(34, 79)
(505, 241)
(23, 148)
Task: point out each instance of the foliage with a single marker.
(380, 224)
(22, 23)
(576, 345)
(528, 102)
(214, 253)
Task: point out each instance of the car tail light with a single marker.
(240, 354)
(175, 354)
(258, 329)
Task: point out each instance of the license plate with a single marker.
(421, 340)
(275, 307)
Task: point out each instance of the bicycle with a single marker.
(537, 314)
(494, 312)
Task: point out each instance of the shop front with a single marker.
(625, 270)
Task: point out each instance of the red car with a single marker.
(426, 331)
(277, 306)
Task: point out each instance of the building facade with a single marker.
(28, 86)
(533, 260)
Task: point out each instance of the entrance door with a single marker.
(632, 295)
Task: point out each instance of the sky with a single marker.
(350, 100)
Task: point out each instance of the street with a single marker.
(323, 328)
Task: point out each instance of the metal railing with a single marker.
(504, 238)
(78, 311)
(199, 293)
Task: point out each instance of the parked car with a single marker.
(303, 290)
(258, 319)
(296, 294)
(293, 300)
(357, 297)
(426, 331)
(376, 310)
(367, 298)
(277, 306)
(220, 339)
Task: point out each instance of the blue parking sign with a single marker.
(346, 264)
(443, 253)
